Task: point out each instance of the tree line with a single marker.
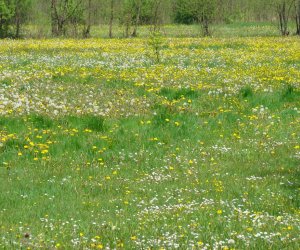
(77, 17)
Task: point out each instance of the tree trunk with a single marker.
(87, 30)
(297, 8)
(54, 18)
(1, 26)
(156, 16)
(60, 27)
(17, 21)
(18, 28)
(137, 20)
(111, 18)
(205, 26)
(127, 25)
(283, 18)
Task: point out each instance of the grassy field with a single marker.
(102, 147)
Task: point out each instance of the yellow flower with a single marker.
(200, 243)
(219, 211)
(133, 237)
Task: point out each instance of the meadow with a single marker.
(104, 147)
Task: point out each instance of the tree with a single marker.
(111, 19)
(183, 12)
(6, 15)
(196, 11)
(283, 11)
(65, 12)
(13, 14)
(297, 16)
(137, 11)
(20, 14)
(87, 26)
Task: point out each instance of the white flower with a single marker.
(231, 241)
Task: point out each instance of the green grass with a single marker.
(97, 178)
(234, 29)
(135, 157)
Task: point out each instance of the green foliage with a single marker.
(76, 17)
(196, 11)
(13, 14)
(7, 12)
(183, 13)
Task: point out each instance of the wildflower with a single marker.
(133, 237)
(200, 243)
(231, 241)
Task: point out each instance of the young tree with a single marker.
(20, 14)
(88, 23)
(111, 19)
(64, 12)
(196, 11)
(283, 12)
(156, 17)
(205, 11)
(137, 11)
(127, 16)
